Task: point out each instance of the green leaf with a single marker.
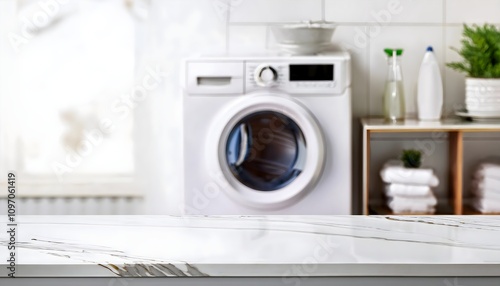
(480, 52)
(411, 158)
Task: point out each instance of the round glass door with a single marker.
(266, 151)
(268, 148)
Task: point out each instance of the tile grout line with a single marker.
(444, 12)
(267, 37)
(358, 24)
(323, 10)
(227, 25)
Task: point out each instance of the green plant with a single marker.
(411, 158)
(480, 52)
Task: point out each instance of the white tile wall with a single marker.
(272, 11)
(385, 11)
(454, 82)
(479, 11)
(346, 40)
(187, 26)
(251, 39)
(365, 28)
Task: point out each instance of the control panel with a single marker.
(295, 77)
(301, 75)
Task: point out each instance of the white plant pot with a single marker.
(482, 95)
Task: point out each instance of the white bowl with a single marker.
(304, 49)
(307, 33)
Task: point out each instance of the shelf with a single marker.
(384, 210)
(412, 125)
(454, 128)
(468, 210)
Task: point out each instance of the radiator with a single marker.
(75, 206)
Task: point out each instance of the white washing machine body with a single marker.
(267, 135)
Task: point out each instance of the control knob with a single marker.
(265, 75)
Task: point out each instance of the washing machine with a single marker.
(267, 135)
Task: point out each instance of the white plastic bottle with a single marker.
(430, 89)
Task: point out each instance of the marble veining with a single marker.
(228, 246)
(153, 270)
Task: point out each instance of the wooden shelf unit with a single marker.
(455, 128)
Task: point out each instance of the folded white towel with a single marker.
(486, 183)
(392, 190)
(486, 205)
(488, 170)
(394, 172)
(399, 209)
(487, 195)
(429, 201)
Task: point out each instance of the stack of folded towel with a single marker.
(409, 190)
(486, 188)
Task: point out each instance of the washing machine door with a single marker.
(270, 150)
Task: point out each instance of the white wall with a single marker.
(178, 28)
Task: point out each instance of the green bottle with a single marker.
(394, 99)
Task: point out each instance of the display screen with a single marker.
(311, 72)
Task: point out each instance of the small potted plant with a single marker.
(411, 158)
(480, 54)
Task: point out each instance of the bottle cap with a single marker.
(430, 49)
(390, 51)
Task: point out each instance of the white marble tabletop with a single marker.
(258, 246)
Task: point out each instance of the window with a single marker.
(67, 79)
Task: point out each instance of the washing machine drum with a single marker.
(266, 151)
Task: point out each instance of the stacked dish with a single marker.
(304, 38)
(482, 97)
